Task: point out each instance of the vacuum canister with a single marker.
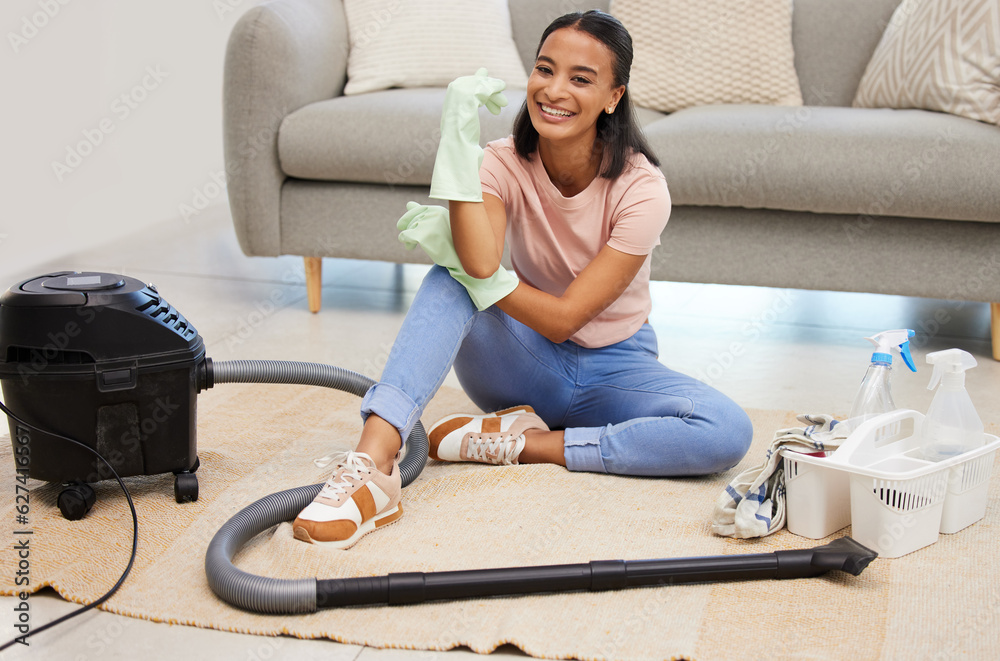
(104, 360)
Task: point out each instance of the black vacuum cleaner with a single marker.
(98, 364)
(101, 358)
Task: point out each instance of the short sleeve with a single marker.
(492, 174)
(641, 215)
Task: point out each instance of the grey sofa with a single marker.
(823, 196)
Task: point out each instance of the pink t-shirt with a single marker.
(553, 237)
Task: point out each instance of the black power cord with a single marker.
(135, 533)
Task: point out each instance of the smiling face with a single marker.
(571, 85)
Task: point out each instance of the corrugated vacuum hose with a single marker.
(270, 595)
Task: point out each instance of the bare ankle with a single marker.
(543, 447)
(380, 441)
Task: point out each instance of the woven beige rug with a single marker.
(940, 602)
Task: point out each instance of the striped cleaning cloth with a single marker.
(753, 504)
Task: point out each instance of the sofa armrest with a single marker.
(281, 55)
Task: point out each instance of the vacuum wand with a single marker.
(843, 554)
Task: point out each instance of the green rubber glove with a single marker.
(456, 167)
(430, 228)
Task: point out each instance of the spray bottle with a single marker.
(951, 425)
(874, 397)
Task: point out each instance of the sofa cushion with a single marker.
(388, 137)
(700, 52)
(913, 162)
(428, 43)
(870, 162)
(938, 56)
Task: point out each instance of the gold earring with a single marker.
(610, 110)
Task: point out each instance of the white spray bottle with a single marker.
(951, 425)
(875, 397)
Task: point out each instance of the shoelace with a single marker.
(348, 464)
(493, 447)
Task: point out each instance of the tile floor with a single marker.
(766, 348)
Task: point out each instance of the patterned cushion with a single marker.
(699, 52)
(428, 43)
(938, 55)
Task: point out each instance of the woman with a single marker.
(565, 357)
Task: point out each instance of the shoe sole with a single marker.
(432, 450)
(383, 519)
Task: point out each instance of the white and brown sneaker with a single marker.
(495, 438)
(357, 499)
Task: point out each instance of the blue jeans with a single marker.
(623, 411)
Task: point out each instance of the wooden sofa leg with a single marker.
(314, 282)
(995, 329)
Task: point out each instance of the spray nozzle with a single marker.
(886, 341)
(949, 361)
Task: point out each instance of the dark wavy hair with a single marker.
(619, 132)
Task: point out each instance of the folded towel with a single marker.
(753, 505)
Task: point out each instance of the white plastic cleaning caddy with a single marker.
(878, 482)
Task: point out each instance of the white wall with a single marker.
(134, 88)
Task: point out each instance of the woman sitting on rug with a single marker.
(564, 354)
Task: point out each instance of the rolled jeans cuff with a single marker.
(392, 405)
(582, 449)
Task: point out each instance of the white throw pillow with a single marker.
(937, 55)
(428, 43)
(700, 52)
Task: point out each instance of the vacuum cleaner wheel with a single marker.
(76, 500)
(186, 487)
(186, 484)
